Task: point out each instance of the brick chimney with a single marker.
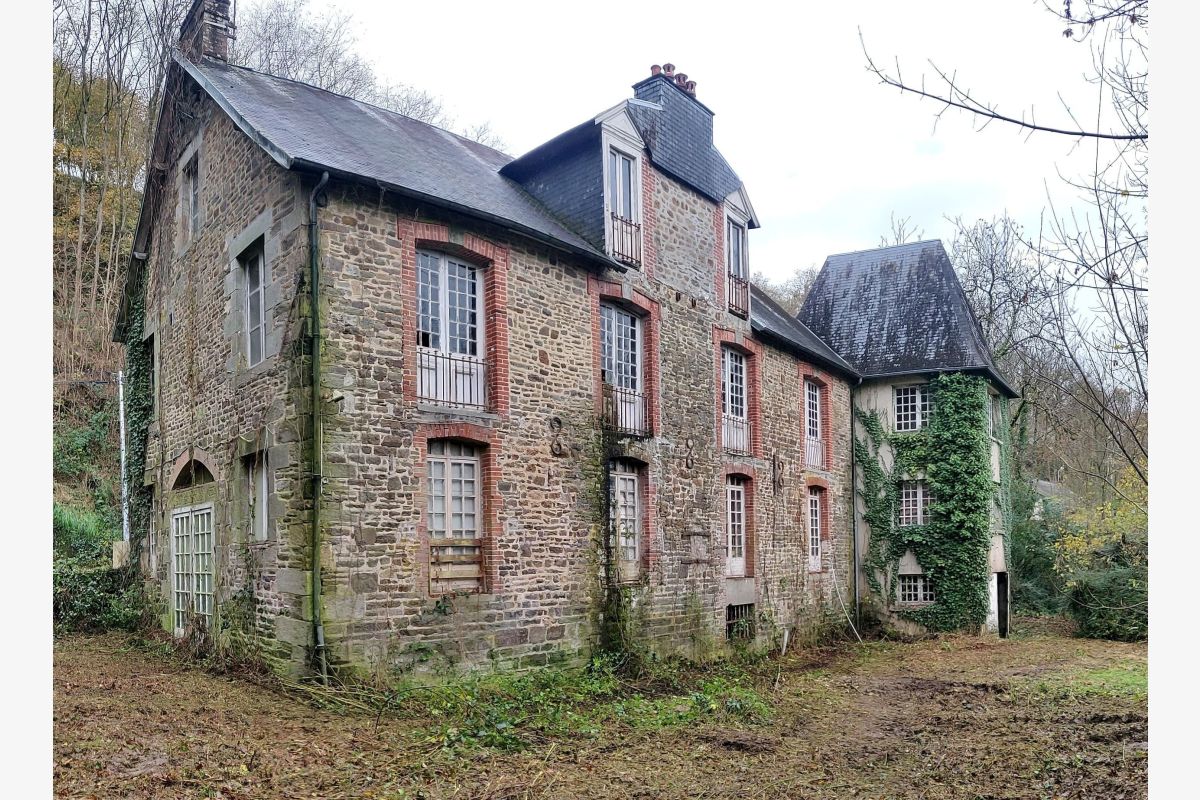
(206, 30)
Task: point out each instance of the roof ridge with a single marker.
(887, 247)
(214, 62)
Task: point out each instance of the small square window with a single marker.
(915, 589)
(739, 622)
(911, 407)
(915, 501)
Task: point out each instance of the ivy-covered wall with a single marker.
(953, 455)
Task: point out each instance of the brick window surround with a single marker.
(752, 351)
(810, 483)
(493, 258)
(806, 372)
(486, 439)
(750, 476)
(622, 294)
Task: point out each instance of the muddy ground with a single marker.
(1040, 715)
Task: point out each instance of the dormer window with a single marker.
(625, 230)
(737, 270)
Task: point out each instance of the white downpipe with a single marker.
(124, 479)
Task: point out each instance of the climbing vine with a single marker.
(139, 408)
(953, 452)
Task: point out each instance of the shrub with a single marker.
(1110, 603)
(91, 597)
(82, 535)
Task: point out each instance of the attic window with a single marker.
(911, 407)
(737, 268)
(621, 198)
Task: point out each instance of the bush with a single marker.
(82, 535)
(91, 597)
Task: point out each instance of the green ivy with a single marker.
(953, 451)
(139, 408)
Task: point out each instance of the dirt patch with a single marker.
(931, 719)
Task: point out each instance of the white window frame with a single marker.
(915, 500)
(625, 514)
(623, 142)
(622, 342)
(459, 468)
(258, 474)
(916, 411)
(740, 269)
(444, 374)
(617, 192)
(815, 522)
(735, 400)
(914, 589)
(254, 260)
(736, 525)
(192, 587)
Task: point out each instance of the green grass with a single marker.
(1124, 679)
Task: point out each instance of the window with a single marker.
(191, 198)
(738, 284)
(625, 511)
(257, 493)
(912, 407)
(814, 445)
(621, 370)
(735, 526)
(739, 622)
(454, 517)
(625, 234)
(814, 529)
(192, 557)
(254, 273)
(735, 425)
(151, 359)
(915, 589)
(450, 332)
(915, 499)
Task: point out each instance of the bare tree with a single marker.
(284, 38)
(1092, 337)
(791, 291)
(903, 231)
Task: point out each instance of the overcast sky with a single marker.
(826, 152)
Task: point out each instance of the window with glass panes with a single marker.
(625, 509)
(911, 407)
(253, 268)
(812, 409)
(915, 499)
(192, 566)
(454, 516)
(620, 344)
(733, 384)
(449, 304)
(735, 525)
(622, 199)
(735, 250)
(915, 589)
(814, 527)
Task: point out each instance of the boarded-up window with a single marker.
(454, 514)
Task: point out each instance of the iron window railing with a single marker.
(625, 411)
(626, 238)
(739, 295)
(735, 433)
(739, 622)
(814, 453)
(455, 381)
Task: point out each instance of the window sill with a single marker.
(244, 376)
(450, 411)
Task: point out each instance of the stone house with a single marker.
(900, 317)
(415, 403)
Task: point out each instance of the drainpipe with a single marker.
(854, 509)
(318, 476)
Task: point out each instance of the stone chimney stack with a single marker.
(207, 30)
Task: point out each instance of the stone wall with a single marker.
(543, 476)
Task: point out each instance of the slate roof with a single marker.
(769, 320)
(679, 136)
(898, 311)
(303, 126)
